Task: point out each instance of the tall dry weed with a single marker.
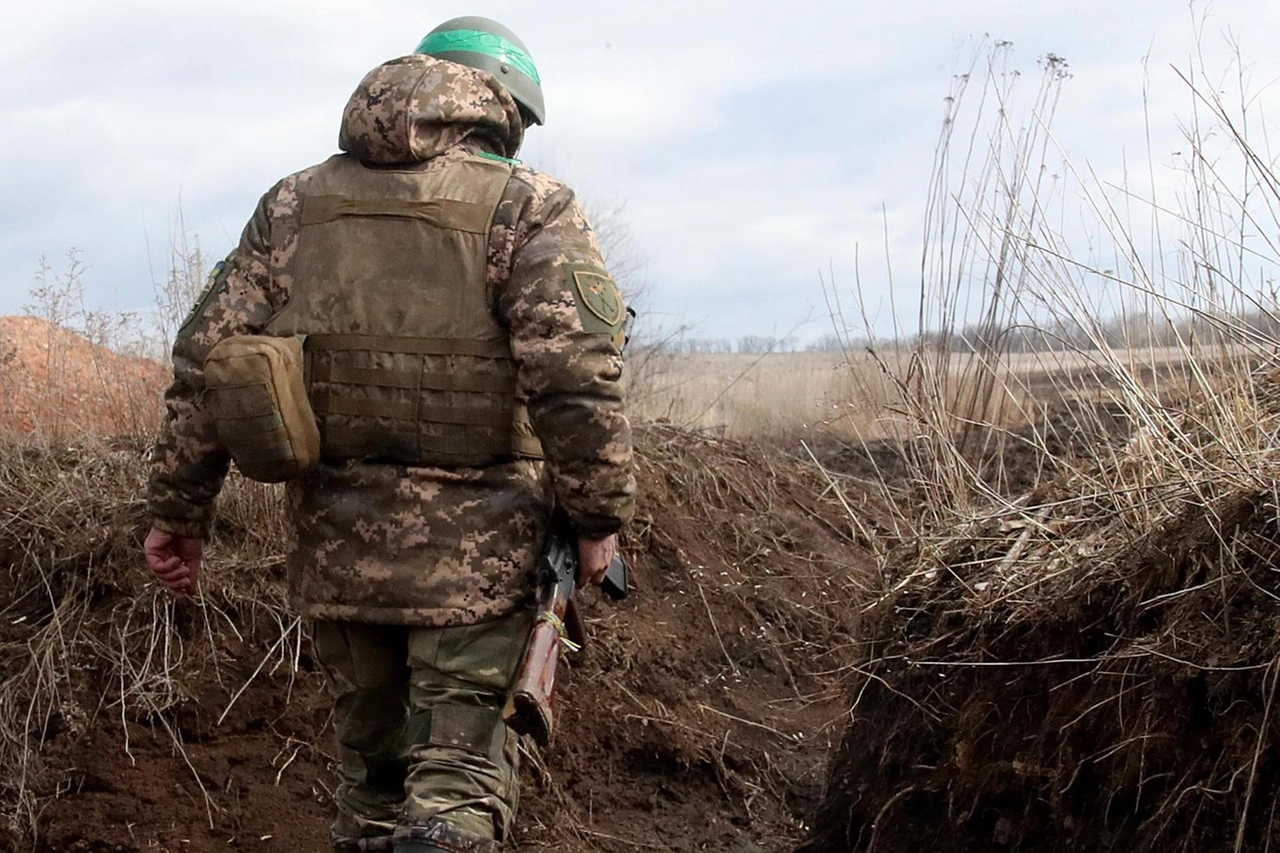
(74, 368)
(179, 287)
(1091, 663)
(1024, 346)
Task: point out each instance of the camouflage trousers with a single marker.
(418, 718)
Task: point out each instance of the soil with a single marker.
(1088, 668)
(55, 382)
(699, 718)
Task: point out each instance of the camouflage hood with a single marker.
(414, 108)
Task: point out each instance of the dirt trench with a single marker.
(699, 719)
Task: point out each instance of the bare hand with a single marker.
(594, 557)
(174, 560)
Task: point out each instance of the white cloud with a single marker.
(754, 143)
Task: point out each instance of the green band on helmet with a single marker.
(476, 41)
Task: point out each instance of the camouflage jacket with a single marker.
(423, 546)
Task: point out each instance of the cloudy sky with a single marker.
(752, 144)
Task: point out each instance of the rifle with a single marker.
(529, 708)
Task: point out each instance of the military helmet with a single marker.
(489, 46)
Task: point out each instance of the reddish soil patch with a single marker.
(55, 382)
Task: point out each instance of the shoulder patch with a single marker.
(216, 277)
(600, 305)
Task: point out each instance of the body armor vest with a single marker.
(405, 362)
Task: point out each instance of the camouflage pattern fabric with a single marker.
(425, 546)
(417, 712)
(415, 108)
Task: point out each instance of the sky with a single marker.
(755, 150)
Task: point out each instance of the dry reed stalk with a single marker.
(1091, 662)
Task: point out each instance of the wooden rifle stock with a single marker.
(530, 709)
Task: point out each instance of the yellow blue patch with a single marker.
(216, 277)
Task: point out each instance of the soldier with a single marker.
(464, 365)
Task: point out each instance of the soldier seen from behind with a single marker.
(419, 335)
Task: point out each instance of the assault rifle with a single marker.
(529, 709)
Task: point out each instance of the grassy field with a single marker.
(862, 397)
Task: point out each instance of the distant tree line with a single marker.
(1134, 331)
(746, 345)
(1138, 330)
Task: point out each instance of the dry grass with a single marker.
(80, 610)
(746, 396)
(1091, 663)
(58, 383)
(865, 397)
(1096, 660)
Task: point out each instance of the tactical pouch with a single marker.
(418, 401)
(255, 387)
